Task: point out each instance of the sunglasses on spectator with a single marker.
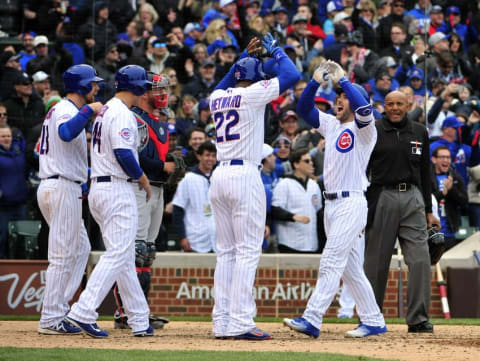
(308, 161)
(3, 114)
(160, 45)
(283, 145)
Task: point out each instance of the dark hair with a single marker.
(456, 36)
(445, 57)
(400, 25)
(195, 129)
(296, 155)
(436, 150)
(207, 146)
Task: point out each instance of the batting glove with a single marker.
(336, 71)
(321, 74)
(271, 45)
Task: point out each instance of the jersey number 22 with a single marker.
(231, 119)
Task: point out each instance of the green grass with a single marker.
(34, 354)
(391, 321)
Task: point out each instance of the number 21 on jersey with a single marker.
(224, 122)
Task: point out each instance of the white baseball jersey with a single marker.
(115, 127)
(349, 146)
(347, 151)
(57, 157)
(290, 195)
(192, 196)
(238, 200)
(239, 119)
(61, 206)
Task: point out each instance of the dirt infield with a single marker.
(448, 343)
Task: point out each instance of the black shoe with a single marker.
(424, 327)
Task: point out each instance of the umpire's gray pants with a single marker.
(402, 215)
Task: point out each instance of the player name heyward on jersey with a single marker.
(238, 114)
(57, 157)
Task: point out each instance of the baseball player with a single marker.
(63, 167)
(350, 137)
(115, 174)
(152, 160)
(237, 194)
(192, 211)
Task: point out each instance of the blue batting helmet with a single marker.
(249, 68)
(361, 90)
(79, 78)
(133, 78)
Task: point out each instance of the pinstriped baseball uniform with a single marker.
(237, 196)
(114, 207)
(192, 196)
(58, 199)
(347, 151)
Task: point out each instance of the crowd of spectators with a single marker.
(428, 49)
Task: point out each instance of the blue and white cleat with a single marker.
(144, 333)
(255, 334)
(61, 328)
(300, 324)
(91, 329)
(365, 331)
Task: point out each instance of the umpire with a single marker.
(400, 205)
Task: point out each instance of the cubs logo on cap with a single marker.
(345, 141)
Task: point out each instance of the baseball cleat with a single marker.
(300, 324)
(255, 334)
(61, 328)
(91, 329)
(144, 333)
(365, 331)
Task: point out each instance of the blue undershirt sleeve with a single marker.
(178, 221)
(288, 73)
(127, 161)
(306, 104)
(73, 127)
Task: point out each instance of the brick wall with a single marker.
(279, 292)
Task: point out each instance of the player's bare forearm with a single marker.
(144, 184)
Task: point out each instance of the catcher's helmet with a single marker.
(160, 89)
(79, 78)
(249, 68)
(132, 78)
(360, 88)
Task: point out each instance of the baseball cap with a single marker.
(436, 9)
(416, 73)
(267, 150)
(355, 38)
(451, 121)
(340, 31)
(319, 99)
(435, 38)
(289, 114)
(388, 61)
(382, 3)
(172, 129)
(265, 12)
(453, 10)
(40, 39)
(382, 74)
(207, 62)
(281, 139)
(191, 27)
(54, 99)
(342, 15)
(280, 9)
(22, 78)
(40, 76)
(203, 104)
(225, 2)
(299, 18)
(9, 56)
(335, 5)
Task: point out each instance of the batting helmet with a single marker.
(79, 78)
(132, 78)
(248, 68)
(360, 88)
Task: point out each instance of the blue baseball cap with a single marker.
(172, 129)
(453, 10)
(416, 73)
(280, 9)
(203, 104)
(452, 122)
(265, 12)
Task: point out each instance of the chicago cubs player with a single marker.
(350, 138)
(152, 160)
(63, 167)
(237, 194)
(115, 173)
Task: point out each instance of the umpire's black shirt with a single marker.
(401, 155)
